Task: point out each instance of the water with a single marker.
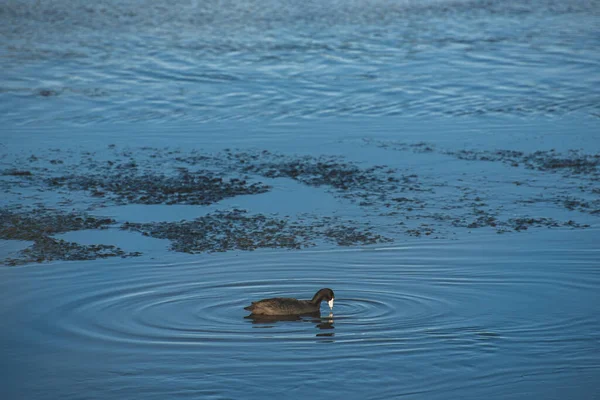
(474, 319)
(136, 60)
(467, 299)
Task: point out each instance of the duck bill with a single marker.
(330, 302)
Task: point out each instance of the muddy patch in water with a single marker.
(16, 172)
(334, 172)
(575, 164)
(345, 178)
(38, 226)
(198, 188)
(572, 162)
(391, 202)
(239, 230)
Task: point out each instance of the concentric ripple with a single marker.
(191, 304)
(433, 320)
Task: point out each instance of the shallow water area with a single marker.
(486, 287)
(483, 287)
(164, 164)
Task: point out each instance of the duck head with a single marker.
(325, 294)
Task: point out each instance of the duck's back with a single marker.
(282, 306)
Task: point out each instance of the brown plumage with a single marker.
(289, 306)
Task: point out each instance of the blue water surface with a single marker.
(444, 310)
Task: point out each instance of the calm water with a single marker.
(469, 314)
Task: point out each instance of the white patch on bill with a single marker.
(330, 302)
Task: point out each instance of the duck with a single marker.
(290, 306)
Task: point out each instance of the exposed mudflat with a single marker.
(237, 230)
(53, 192)
(38, 226)
(199, 188)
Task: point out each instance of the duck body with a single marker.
(290, 306)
